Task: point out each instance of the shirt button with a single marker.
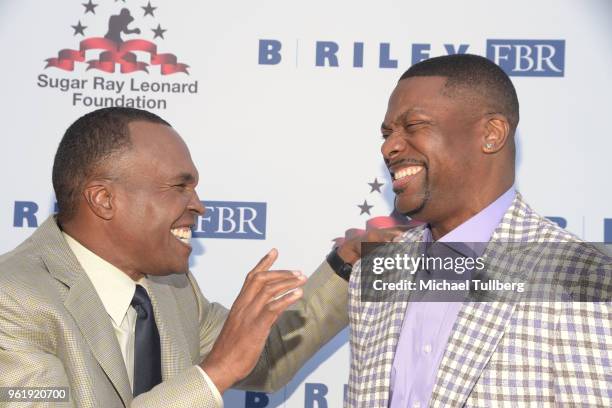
(417, 404)
(427, 348)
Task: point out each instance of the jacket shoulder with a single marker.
(23, 268)
(31, 301)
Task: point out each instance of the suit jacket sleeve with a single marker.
(187, 390)
(298, 334)
(26, 346)
(582, 354)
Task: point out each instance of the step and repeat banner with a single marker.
(281, 102)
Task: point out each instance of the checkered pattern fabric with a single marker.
(519, 354)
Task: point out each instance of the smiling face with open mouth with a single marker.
(429, 139)
(156, 202)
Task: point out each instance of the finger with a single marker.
(397, 230)
(264, 263)
(353, 232)
(267, 261)
(402, 228)
(264, 288)
(278, 289)
(392, 236)
(381, 236)
(276, 307)
(265, 277)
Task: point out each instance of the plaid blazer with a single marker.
(55, 332)
(501, 354)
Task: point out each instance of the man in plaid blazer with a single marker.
(448, 142)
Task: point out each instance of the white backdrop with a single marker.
(301, 138)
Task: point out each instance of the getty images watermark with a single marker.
(468, 271)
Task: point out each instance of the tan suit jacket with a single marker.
(55, 332)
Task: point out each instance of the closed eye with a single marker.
(385, 130)
(412, 125)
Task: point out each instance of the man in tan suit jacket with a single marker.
(125, 185)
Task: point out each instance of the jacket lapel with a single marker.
(382, 321)
(481, 325)
(83, 303)
(90, 316)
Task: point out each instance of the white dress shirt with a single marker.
(116, 290)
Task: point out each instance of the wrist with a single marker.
(221, 378)
(347, 254)
(339, 264)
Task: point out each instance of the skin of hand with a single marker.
(257, 307)
(350, 249)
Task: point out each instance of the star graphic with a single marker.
(79, 29)
(148, 9)
(365, 208)
(376, 185)
(159, 32)
(90, 6)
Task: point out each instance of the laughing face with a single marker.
(156, 202)
(429, 141)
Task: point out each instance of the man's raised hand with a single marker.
(265, 294)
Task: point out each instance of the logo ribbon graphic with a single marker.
(114, 53)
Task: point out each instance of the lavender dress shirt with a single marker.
(427, 325)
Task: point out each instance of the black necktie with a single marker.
(147, 356)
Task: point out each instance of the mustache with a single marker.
(390, 163)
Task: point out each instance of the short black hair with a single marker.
(87, 144)
(468, 72)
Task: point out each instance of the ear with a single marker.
(99, 198)
(497, 131)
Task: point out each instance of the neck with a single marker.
(99, 244)
(467, 210)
